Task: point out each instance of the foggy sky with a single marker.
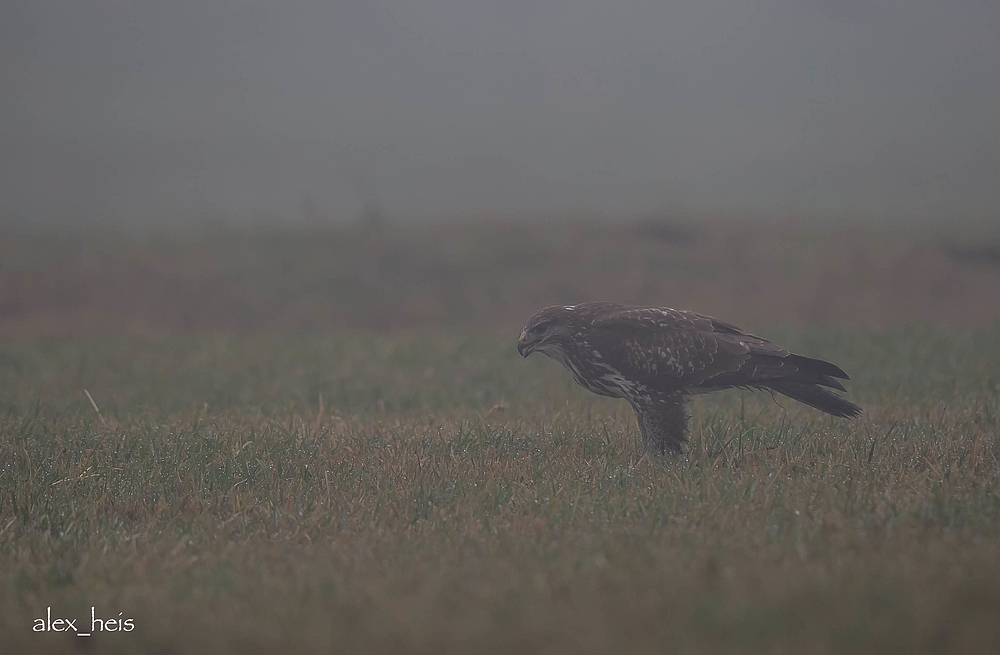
(158, 111)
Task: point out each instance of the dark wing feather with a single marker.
(672, 349)
(816, 396)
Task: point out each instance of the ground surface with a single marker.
(254, 485)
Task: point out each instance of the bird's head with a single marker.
(547, 331)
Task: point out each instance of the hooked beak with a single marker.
(524, 347)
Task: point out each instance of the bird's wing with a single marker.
(674, 349)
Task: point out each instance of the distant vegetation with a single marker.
(489, 276)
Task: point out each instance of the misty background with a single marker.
(140, 113)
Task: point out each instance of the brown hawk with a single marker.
(655, 357)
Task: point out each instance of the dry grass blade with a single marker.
(96, 408)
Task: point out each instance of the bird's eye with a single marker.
(541, 327)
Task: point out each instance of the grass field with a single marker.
(267, 487)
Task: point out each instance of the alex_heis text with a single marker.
(118, 623)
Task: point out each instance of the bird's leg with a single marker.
(663, 424)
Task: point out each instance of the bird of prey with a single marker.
(656, 357)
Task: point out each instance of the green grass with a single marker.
(451, 497)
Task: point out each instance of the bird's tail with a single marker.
(816, 396)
